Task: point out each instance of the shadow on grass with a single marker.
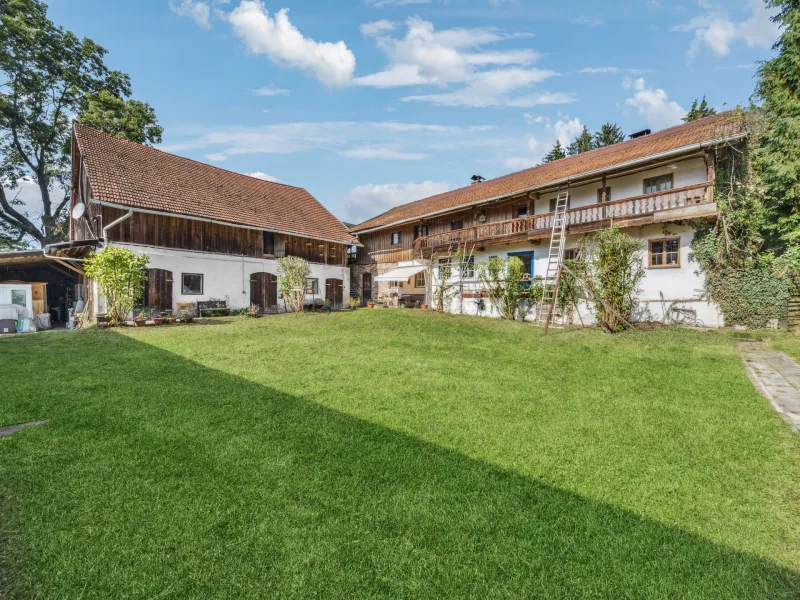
(158, 477)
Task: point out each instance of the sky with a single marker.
(373, 103)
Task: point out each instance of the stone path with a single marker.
(776, 376)
(12, 429)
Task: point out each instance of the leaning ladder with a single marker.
(554, 261)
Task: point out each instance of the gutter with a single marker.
(124, 217)
(214, 221)
(558, 182)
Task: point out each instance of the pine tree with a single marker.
(777, 157)
(557, 153)
(583, 143)
(609, 134)
(699, 109)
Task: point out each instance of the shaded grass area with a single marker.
(392, 454)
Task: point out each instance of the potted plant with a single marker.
(424, 307)
(370, 304)
(353, 302)
(328, 307)
(254, 311)
(141, 319)
(159, 319)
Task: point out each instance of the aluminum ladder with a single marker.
(554, 261)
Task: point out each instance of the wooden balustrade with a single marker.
(627, 208)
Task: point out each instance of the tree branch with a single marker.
(16, 219)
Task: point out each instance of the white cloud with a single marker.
(199, 12)
(654, 105)
(567, 130)
(264, 176)
(366, 201)
(379, 152)
(589, 21)
(376, 28)
(280, 41)
(425, 56)
(270, 92)
(717, 30)
(217, 157)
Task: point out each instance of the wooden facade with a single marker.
(189, 234)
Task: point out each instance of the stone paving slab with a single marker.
(777, 376)
(12, 429)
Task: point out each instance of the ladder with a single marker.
(554, 261)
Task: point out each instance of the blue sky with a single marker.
(372, 103)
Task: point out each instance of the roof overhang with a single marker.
(147, 211)
(566, 180)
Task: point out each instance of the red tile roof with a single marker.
(136, 176)
(704, 130)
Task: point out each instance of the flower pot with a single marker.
(172, 320)
(140, 322)
(424, 307)
(352, 308)
(158, 320)
(328, 309)
(370, 305)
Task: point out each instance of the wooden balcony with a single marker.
(688, 202)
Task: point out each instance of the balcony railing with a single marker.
(582, 218)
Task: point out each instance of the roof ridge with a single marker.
(178, 156)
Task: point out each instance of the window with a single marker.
(571, 254)
(420, 231)
(665, 253)
(527, 263)
(521, 212)
(419, 280)
(658, 184)
(454, 225)
(269, 242)
(468, 267)
(397, 238)
(444, 266)
(192, 284)
(352, 255)
(600, 195)
(553, 204)
(312, 286)
(19, 297)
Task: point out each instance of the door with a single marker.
(366, 288)
(264, 290)
(158, 291)
(334, 291)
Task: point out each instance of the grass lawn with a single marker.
(389, 454)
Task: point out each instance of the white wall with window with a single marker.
(201, 276)
(671, 284)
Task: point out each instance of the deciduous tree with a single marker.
(49, 76)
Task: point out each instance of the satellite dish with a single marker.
(78, 210)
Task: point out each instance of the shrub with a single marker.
(613, 270)
(501, 280)
(293, 272)
(120, 275)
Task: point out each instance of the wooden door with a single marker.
(334, 291)
(264, 290)
(158, 291)
(366, 288)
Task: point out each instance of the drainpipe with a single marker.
(127, 215)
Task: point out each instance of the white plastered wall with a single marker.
(226, 276)
(674, 291)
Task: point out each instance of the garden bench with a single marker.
(215, 307)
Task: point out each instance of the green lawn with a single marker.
(389, 454)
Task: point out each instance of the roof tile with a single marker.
(700, 131)
(136, 176)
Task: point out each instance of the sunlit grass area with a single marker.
(388, 453)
